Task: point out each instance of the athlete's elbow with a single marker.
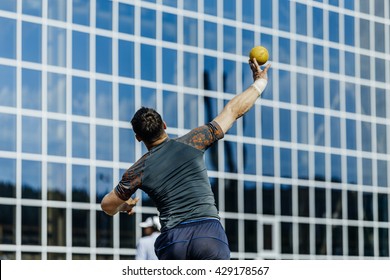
(107, 207)
(108, 211)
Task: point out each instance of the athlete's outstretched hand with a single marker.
(256, 70)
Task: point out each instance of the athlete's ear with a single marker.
(138, 138)
(165, 125)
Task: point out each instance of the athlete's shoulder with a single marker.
(131, 179)
(136, 169)
(203, 136)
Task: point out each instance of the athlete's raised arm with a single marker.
(240, 104)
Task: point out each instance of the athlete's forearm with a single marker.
(240, 104)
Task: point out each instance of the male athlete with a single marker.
(174, 175)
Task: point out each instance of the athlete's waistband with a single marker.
(198, 220)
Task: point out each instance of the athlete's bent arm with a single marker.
(119, 199)
(112, 204)
(240, 104)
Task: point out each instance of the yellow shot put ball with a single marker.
(260, 53)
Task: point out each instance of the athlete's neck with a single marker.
(163, 137)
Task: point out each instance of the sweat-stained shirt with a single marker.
(174, 176)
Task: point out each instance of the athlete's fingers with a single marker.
(253, 66)
(266, 68)
(132, 202)
(256, 64)
(135, 200)
(263, 73)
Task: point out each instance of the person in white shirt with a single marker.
(145, 247)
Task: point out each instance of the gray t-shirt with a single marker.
(174, 175)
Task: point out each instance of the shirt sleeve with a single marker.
(131, 180)
(204, 136)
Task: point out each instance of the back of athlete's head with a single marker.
(147, 124)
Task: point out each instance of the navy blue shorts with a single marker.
(195, 240)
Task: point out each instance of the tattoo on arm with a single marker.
(203, 137)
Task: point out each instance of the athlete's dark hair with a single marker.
(147, 124)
